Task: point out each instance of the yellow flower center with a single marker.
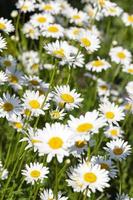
(86, 42)
(130, 18)
(76, 31)
(97, 63)
(67, 98)
(114, 132)
(80, 144)
(2, 26)
(41, 19)
(34, 104)
(101, 2)
(59, 52)
(13, 79)
(53, 29)
(7, 63)
(121, 55)
(55, 114)
(76, 17)
(112, 10)
(48, 7)
(35, 67)
(104, 87)
(55, 142)
(24, 8)
(35, 173)
(27, 112)
(110, 115)
(18, 125)
(117, 151)
(130, 71)
(85, 127)
(34, 82)
(128, 106)
(90, 177)
(104, 166)
(8, 107)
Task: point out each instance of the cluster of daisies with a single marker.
(41, 101)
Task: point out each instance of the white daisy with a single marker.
(84, 126)
(2, 44)
(110, 112)
(127, 19)
(113, 132)
(67, 98)
(112, 9)
(77, 17)
(48, 195)
(120, 55)
(3, 78)
(128, 69)
(41, 19)
(118, 149)
(26, 5)
(98, 65)
(9, 106)
(8, 61)
(57, 114)
(53, 30)
(35, 172)
(123, 197)
(30, 31)
(6, 25)
(51, 7)
(55, 141)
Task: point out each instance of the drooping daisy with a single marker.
(34, 102)
(17, 123)
(67, 98)
(26, 5)
(6, 25)
(51, 7)
(48, 195)
(2, 43)
(41, 20)
(55, 141)
(57, 114)
(120, 55)
(127, 19)
(89, 41)
(86, 125)
(3, 78)
(9, 106)
(98, 65)
(112, 113)
(35, 172)
(113, 132)
(91, 176)
(30, 31)
(128, 69)
(53, 30)
(106, 164)
(118, 149)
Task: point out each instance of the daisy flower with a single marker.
(84, 126)
(73, 33)
(128, 69)
(120, 55)
(103, 88)
(78, 17)
(34, 102)
(26, 5)
(53, 30)
(57, 114)
(17, 123)
(64, 97)
(91, 176)
(2, 44)
(106, 164)
(6, 25)
(110, 112)
(3, 78)
(8, 61)
(55, 141)
(112, 9)
(118, 149)
(30, 31)
(129, 88)
(98, 65)
(41, 19)
(123, 197)
(113, 132)
(89, 41)
(51, 7)
(9, 106)
(35, 172)
(48, 195)
(127, 19)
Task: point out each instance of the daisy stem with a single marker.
(85, 195)
(120, 178)
(69, 75)
(49, 89)
(56, 180)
